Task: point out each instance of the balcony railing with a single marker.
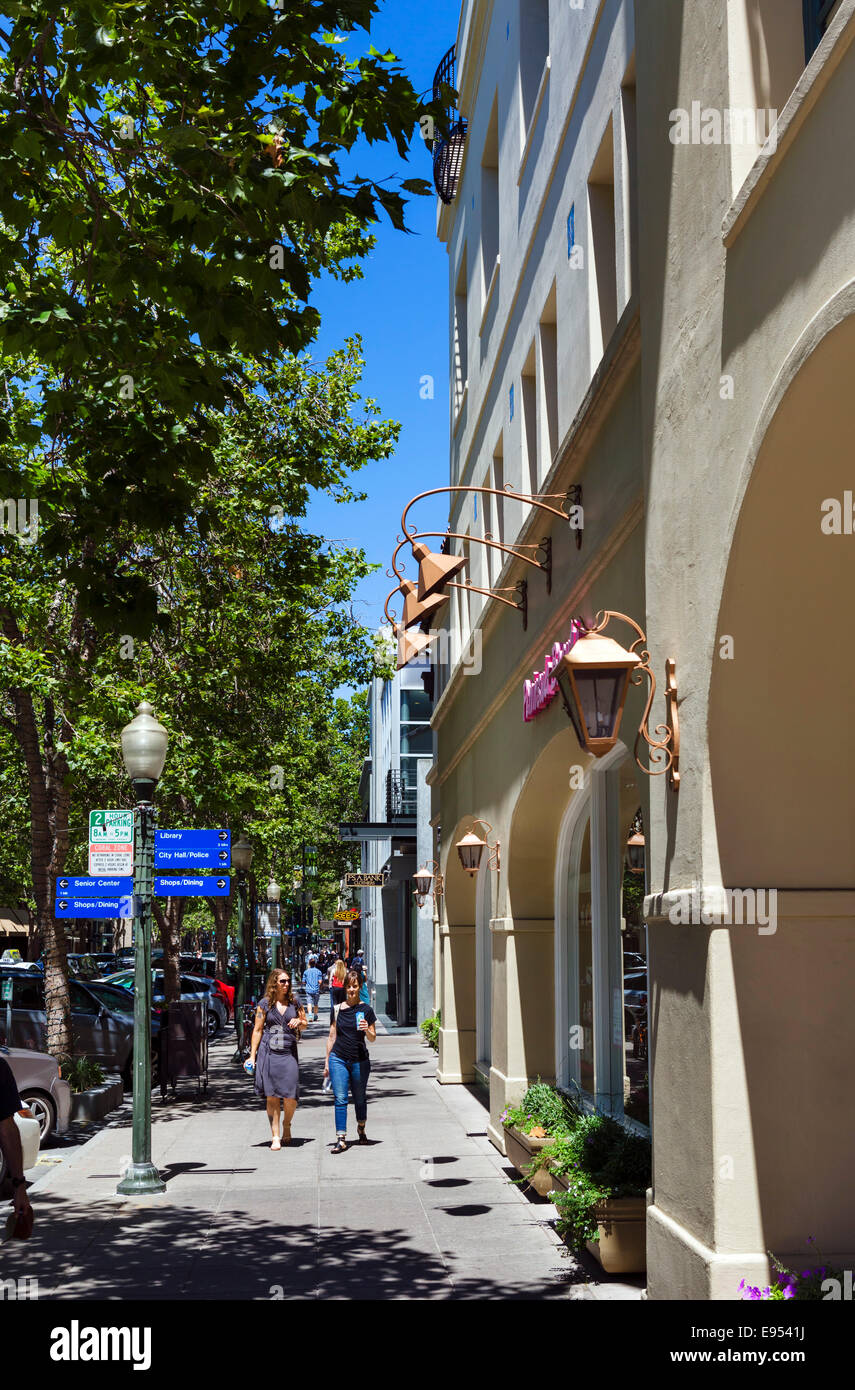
(400, 798)
(448, 148)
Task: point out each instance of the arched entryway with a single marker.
(782, 752)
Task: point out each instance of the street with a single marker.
(426, 1210)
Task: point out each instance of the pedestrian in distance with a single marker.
(312, 985)
(348, 1065)
(280, 1021)
(337, 989)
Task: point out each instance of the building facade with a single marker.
(397, 935)
(650, 225)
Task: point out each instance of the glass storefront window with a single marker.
(602, 949)
(585, 971)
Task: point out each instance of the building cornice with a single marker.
(621, 356)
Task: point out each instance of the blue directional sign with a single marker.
(200, 849)
(94, 907)
(95, 887)
(203, 886)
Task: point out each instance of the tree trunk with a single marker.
(222, 910)
(49, 801)
(169, 926)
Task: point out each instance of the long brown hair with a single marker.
(339, 971)
(272, 988)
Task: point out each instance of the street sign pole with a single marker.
(142, 1178)
(240, 984)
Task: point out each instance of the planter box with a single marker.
(622, 1246)
(521, 1149)
(95, 1104)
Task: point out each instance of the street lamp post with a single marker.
(144, 743)
(241, 858)
(274, 892)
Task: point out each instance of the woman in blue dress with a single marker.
(279, 1023)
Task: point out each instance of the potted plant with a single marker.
(602, 1172)
(543, 1116)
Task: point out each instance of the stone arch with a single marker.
(781, 752)
(781, 742)
(535, 826)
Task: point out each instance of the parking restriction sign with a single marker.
(111, 842)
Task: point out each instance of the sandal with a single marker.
(360, 1129)
(275, 1145)
(340, 1145)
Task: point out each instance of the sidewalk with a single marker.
(425, 1211)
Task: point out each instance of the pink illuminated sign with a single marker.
(541, 690)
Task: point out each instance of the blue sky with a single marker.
(401, 310)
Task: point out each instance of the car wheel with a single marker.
(213, 1024)
(43, 1110)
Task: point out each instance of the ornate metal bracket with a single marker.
(665, 746)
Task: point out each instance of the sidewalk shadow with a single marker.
(145, 1250)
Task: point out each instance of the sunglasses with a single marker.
(283, 982)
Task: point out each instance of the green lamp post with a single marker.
(144, 743)
(274, 893)
(241, 859)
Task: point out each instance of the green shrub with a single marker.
(430, 1029)
(600, 1159)
(82, 1074)
(544, 1106)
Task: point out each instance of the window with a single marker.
(818, 15)
(601, 948)
(629, 189)
(528, 398)
(499, 503)
(548, 403)
(416, 734)
(82, 1002)
(28, 994)
(460, 345)
(534, 51)
(490, 203)
(602, 254)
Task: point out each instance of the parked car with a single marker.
(98, 1032)
(41, 1088)
(191, 988)
(206, 968)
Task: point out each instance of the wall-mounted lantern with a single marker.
(427, 875)
(472, 846)
(594, 677)
(635, 847)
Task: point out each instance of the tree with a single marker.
(253, 638)
(170, 187)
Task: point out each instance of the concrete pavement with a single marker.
(426, 1210)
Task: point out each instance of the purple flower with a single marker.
(806, 1273)
(742, 1283)
(789, 1291)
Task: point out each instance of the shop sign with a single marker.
(364, 880)
(542, 689)
(349, 914)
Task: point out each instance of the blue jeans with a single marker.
(356, 1073)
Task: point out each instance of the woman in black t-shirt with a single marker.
(347, 1061)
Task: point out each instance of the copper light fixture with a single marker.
(423, 880)
(594, 677)
(410, 645)
(471, 849)
(635, 847)
(435, 570)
